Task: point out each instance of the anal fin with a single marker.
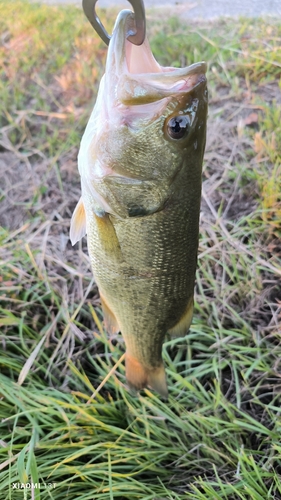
(182, 327)
(111, 323)
(139, 376)
(78, 223)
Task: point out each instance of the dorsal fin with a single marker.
(78, 223)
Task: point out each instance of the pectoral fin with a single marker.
(182, 327)
(139, 376)
(108, 240)
(78, 223)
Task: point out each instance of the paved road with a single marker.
(199, 9)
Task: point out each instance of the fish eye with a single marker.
(178, 126)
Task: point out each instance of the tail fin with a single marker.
(139, 376)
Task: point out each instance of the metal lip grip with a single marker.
(136, 37)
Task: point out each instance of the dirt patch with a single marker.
(29, 189)
(19, 183)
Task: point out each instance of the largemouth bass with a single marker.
(140, 162)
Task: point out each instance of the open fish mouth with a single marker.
(135, 75)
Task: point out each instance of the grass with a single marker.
(68, 422)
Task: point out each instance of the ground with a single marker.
(67, 419)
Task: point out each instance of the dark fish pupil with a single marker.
(178, 127)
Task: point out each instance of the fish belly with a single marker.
(145, 269)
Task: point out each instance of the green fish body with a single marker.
(140, 163)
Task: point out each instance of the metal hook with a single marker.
(136, 37)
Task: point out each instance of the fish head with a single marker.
(149, 121)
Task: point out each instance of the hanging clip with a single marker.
(136, 37)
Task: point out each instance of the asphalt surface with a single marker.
(200, 9)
